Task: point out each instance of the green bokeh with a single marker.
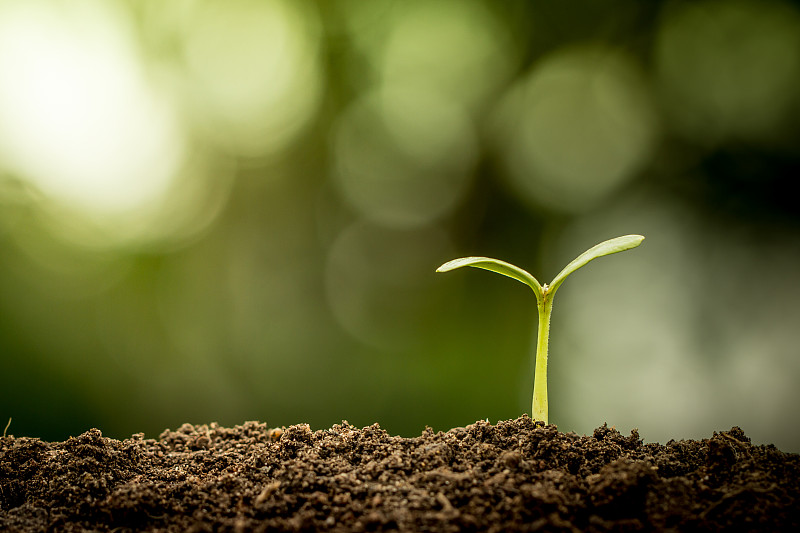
(267, 249)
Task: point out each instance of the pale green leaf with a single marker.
(612, 246)
(495, 265)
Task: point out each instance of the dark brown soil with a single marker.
(513, 476)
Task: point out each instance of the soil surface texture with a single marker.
(512, 476)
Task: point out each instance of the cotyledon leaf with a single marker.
(611, 246)
(495, 265)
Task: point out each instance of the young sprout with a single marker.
(544, 301)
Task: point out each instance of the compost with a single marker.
(512, 476)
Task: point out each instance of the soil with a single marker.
(512, 476)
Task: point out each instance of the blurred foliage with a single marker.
(233, 210)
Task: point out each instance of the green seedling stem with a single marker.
(544, 301)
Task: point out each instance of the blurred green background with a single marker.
(227, 211)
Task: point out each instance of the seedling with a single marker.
(544, 301)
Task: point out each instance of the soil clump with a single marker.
(512, 476)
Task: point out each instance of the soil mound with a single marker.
(512, 476)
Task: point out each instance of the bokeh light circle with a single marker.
(729, 70)
(97, 143)
(404, 157)
(576, 128)
(457, 48)
(374, 280)
(77, 116)
(254, 69)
